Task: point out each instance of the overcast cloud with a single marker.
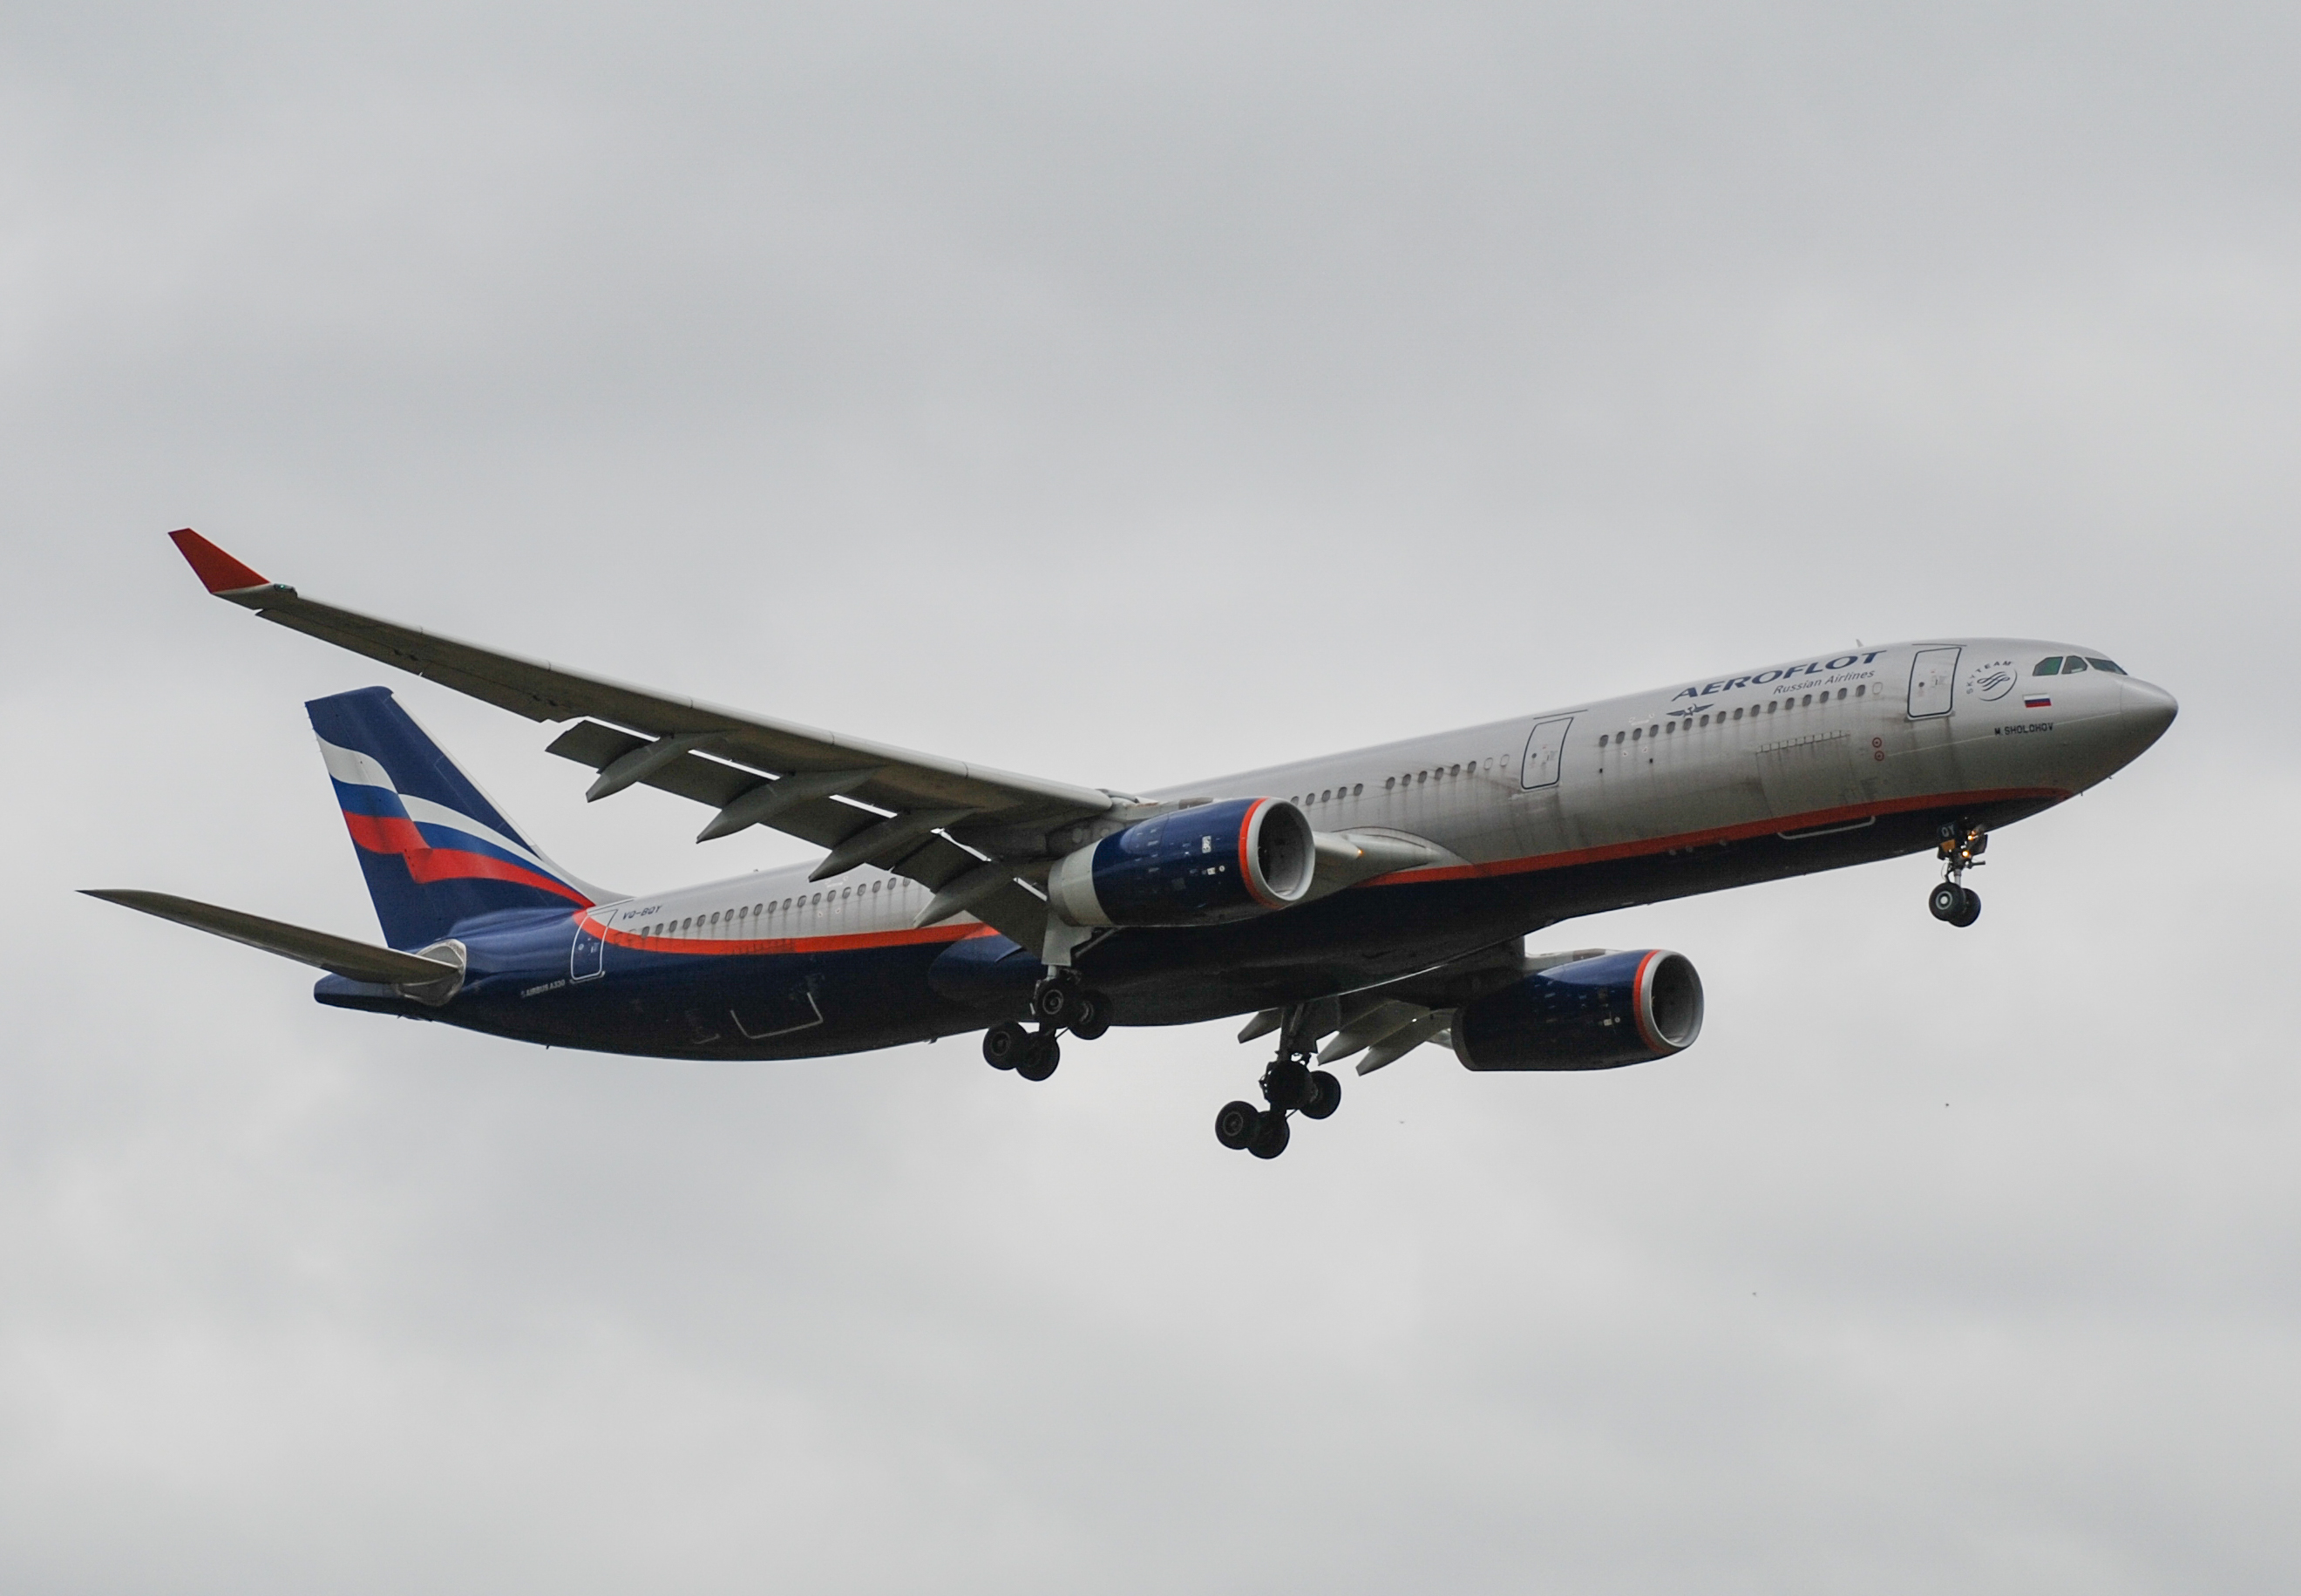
(1127, 395)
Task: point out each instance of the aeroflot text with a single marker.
(1810, 668)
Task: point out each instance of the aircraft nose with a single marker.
(2147, 709)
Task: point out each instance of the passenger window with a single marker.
(1389, 782)
(1807, 703)
(1738, 714)
(1841, 695)
(1861, 690)
(1357, 788)
(2048, 667)
(1670, 728)
(1326, 795)
(1772, 705)
(1602, 739)
(1637, 732)
(2072, 665)
(2110, 666)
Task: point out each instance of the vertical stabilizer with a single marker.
(435, 851)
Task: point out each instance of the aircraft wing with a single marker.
(866, 802)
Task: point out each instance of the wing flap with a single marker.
(1013, 910)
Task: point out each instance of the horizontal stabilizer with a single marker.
(338, 956)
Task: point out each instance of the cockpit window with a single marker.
(2110, 666)
(2048, 667)
(2072, 665)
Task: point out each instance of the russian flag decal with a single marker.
(2037, 703)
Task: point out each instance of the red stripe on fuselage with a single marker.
(1644, 846)
(849, 942)
(1437, 872)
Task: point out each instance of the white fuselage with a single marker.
(1827, 742)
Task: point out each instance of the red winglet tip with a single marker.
(218, 570)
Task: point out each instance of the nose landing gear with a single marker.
(1952, 901)
(1290, 1086)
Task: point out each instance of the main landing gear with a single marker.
(1290, 1086)
(1060, 1004)
(1952, 901)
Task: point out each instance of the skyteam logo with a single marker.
(1992, 681)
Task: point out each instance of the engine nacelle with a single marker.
(1595, 1014)
(1195, 866)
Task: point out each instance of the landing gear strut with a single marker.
(1952, 901)
(1290, 1086)
(1061, 1003)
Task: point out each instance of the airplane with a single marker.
(1356, 906)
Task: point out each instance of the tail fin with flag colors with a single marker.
(435, 851)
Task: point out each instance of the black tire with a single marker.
(1055, 1003)
(1038, 1060)
(1325, 1096)
(1236, 1124)
(1270, 1137)
(1969, 911)
(1946, 902)
(1004, 1044)
(1093, 1016)
(1287, 1084)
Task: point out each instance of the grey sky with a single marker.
(1127, 397)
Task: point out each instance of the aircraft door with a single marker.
(1542, 749)
(587, 958)
(1932, 675)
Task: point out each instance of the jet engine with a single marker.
(1195, 866)
(1595, 1014)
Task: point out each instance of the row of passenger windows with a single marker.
(2069, 664)
(1436, 773)
(735, 917)
(1391, 784)
(1639, 733)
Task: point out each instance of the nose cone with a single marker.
(2144, 712)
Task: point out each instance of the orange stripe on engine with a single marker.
(1638, 989)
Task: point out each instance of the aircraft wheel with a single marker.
(1325, 1095)
(1236, 1124)
(1946, 901)
(1055, 1002)
(1038, 1060)
(1969, 911)
(1287, 1084)
(1092, 1016)
(1004, 1045)
(1270, 1136)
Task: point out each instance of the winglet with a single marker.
(218, 570)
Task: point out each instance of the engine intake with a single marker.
(1595, 1014)
(1196, 866)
